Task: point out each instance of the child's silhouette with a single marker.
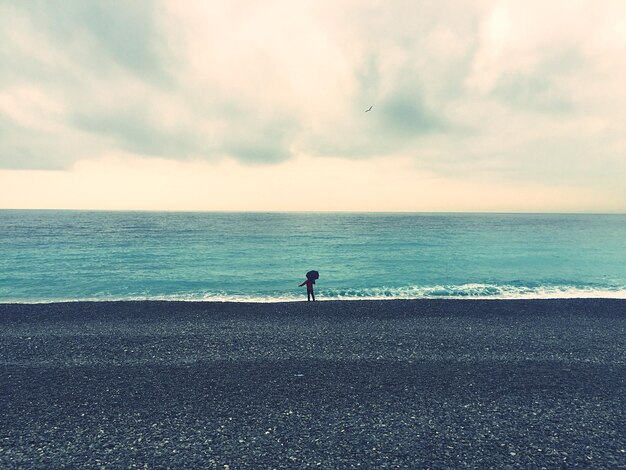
(310, 280)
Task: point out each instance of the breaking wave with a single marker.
(464, 291)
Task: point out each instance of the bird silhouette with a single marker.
(369, 109)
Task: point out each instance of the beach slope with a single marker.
(336, 384)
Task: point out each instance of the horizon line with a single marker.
(243, 211)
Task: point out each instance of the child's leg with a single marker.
(308, 296)
(313, 295)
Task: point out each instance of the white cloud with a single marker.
(515, 92)
(125, 181)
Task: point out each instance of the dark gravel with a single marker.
(331, 385)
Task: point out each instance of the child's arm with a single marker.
(300, 285)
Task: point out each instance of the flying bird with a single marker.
(369, 109)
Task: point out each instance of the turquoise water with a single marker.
(74, 255)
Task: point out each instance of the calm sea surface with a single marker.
(70, 255)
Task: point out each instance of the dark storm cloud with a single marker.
(136, 133)
(117, 31)
(405, 114)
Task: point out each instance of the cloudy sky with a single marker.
(494, 105)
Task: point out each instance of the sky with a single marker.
(483, 105)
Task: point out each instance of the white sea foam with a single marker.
(464, 291)
(481, 291)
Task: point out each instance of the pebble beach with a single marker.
(415, 384)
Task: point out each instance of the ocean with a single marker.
(51, 256)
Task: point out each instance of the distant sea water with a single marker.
(49, 256)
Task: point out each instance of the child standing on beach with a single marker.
(310, 280)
